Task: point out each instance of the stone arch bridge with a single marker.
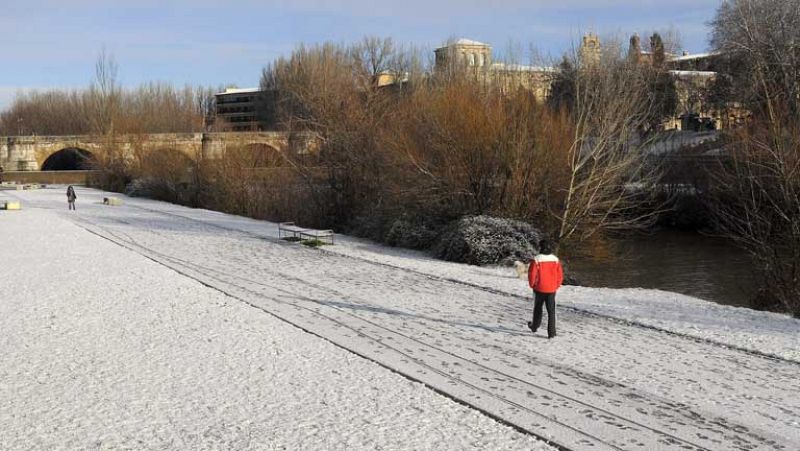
(35, 153)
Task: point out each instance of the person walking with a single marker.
(71, 197)
(545, 277)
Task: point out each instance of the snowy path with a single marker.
(763, 333)
(601, 384)
(102, 349)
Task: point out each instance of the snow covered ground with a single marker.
(101, 348)
(153, 325)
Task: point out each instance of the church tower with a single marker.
(590, 50)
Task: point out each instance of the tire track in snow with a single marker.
(261, 237)
(549, 440)
(670, 440)
(495, 291)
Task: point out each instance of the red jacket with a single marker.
(545, 274)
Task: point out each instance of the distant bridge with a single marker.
(53, 153)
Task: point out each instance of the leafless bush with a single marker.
(255, 181)
(610, 180)
(106, 108)
(759, 38)
(756, 201)
(459, 143)
(333, 91)
(168, 171)
(112, 165)
(54, 112)
(474, 150)
(756, 190)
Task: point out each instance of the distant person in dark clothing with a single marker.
(71, 197)
(545, 277)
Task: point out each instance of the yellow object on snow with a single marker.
(13, 206)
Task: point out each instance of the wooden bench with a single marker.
(286, 229)
(290, 229)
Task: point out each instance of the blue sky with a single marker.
(54, 43)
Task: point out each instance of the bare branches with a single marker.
(610, 179)
(756, 191)
(762, 40)
(756, 201)
(374, 54)
(104, 94)
(462, 143)
(149, 108)
(105, 107)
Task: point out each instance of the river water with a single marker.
(690, 263)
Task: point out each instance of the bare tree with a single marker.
(104, 94)
(374, 55)
(54, 112)
(756, 201)
(328, 90)
(756, 197)
(148, 108)
(610, 178)
(761, 40)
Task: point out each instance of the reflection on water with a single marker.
(689, 263)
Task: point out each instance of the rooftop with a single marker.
(522, 68)
(464, 41)
(690, 57)
(239, 91)
(693, 73)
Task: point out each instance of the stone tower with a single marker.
(464, 52)
(590, 50)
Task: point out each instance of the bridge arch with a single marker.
(69, 159)
(167, 163)
(257, 155)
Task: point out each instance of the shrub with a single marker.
(182, 193)
(372, 225)
(155, 188)
(141, 187)
(484, 240)
(410, 234)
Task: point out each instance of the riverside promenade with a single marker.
(152, 325)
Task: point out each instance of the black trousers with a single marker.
(548, 300)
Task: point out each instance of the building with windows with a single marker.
(237, 110)
(466, 54)
(694, 76)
